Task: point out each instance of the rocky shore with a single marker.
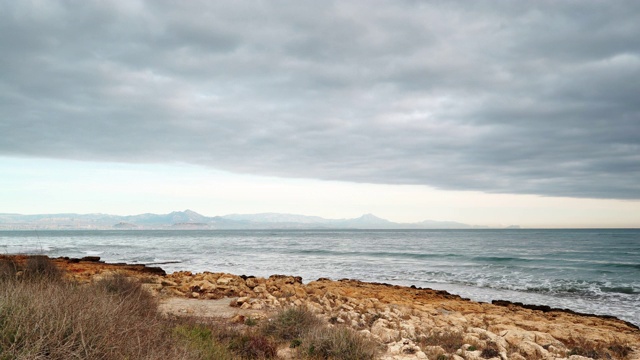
(412, 323)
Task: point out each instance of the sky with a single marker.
(485, 112)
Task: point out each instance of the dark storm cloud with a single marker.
(505, 97)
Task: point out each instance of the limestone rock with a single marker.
(381, 330)
(388, 313)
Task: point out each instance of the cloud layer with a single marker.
(504, 97)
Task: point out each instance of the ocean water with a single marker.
(592, 271)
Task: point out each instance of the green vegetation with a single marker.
(43, 316)
(316, 340)
(249, 321)
(252, 345)
(292, 323)
(200, 340)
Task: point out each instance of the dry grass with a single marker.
(201, 341)
(612, 350)
(220, 340)
(8, 269)
(490, 351)
(252, 345)
(449, 341)
(43, 316)
(339, 343)
(62, 320)
(315, 339)
(290, 324)
(39, 267)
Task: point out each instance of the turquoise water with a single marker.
(594, 271)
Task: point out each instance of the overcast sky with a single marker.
(534, 100)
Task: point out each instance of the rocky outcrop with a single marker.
(414, 323)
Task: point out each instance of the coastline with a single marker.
(394, 315)
(586, 271)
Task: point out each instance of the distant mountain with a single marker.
(369, 221)
(189, 219)
(187, 216)
(276, 218)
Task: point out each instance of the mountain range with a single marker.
(189, 219)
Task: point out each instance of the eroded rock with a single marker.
(390, 313)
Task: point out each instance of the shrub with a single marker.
(449, 341)
(8, 270)
(119, 284)
(63, 320)
(249, 321)
(338, 343)
(253, 346)
(315, 340)
(612, 350)
(213, 339)
(489, 352)
(586, 352)
(200, 340)
(618, 350)
(291, 324)
(41, 267)
(112, 318)
(128, 292)
(295, 343)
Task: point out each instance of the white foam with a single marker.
(93, 253)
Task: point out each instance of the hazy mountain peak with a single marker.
(275, 218)
(371, 217)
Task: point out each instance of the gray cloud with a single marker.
(504, 97)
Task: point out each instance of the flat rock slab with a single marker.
(218, 308)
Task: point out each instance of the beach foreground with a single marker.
(412, 323)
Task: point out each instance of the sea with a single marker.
(594, 271)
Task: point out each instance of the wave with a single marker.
(566, 268)
(28, 249)
(379, 254)
(595, 292)
(92, 252)
(164, 261)
(620, 289)
(502, 259)
(622, 265)
(557, 287)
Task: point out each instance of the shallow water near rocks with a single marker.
(592, 271)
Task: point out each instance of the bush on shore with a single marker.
(291, 323)
(44, 316)
(338, 343)
(314, 339)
